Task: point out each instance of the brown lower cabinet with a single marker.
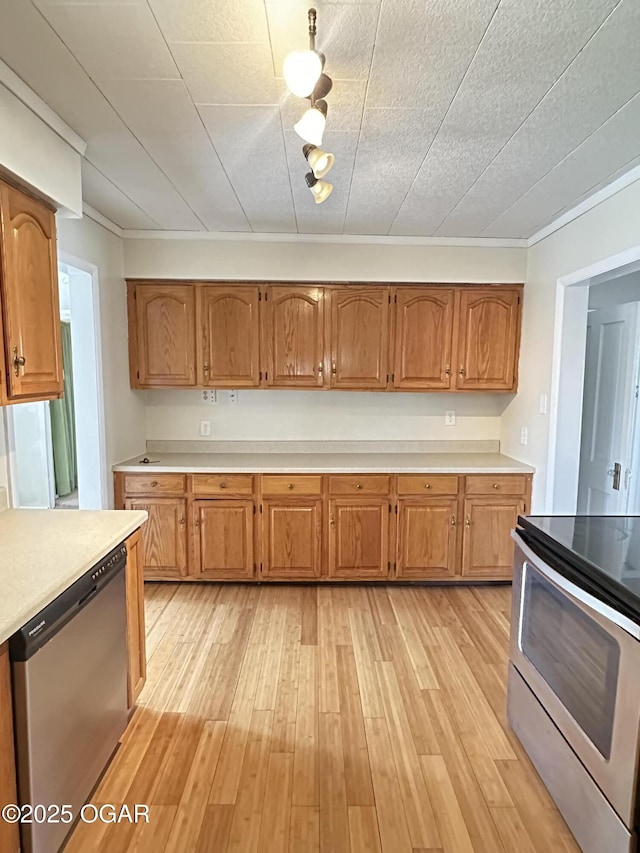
(278, 527)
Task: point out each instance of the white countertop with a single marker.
(42, 552)
(326, 463)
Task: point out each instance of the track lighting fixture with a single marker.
(311, 125)
(305, 77)
(320, 161)
(321, 190)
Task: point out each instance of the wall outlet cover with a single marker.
(543, 404)
(524, 435)
(205, 428)
(450, 418)
(233, 396)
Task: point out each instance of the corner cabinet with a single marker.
(31, 357)
(348, 337)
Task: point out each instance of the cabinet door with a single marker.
(164, 540)
(9, 834)
(29, 290)
(488, 337)
(427, 535)
(360, 338)
(359, 538)
(487, 550)
(223, 539)
(136, 646)
(293, 337)
(292, 538)
(230, 337)
(165, 335)
(423, 341)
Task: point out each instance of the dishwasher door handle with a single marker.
(88, 596)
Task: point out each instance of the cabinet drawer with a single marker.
(426, 484)
(492, 484)
(154, 484)
(223, 484)
(359, 484)
(288, 484)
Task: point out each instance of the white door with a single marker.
(608, 410)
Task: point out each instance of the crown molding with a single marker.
(336, 239)
(16, 85)
(585, 206)
(89, 211)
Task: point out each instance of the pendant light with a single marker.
(302, 70)
(321, 190)
(320, 161)
(311, 125)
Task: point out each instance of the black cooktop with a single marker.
(600, 553)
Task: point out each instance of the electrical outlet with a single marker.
(543, 404)
(233, 396)
(210, 396)
(450, 418)
(524, 435)
(205, 428)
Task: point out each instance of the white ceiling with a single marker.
(452, 118)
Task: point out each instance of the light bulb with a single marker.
(301, 70)
(311, 125)
(320, 190)
(320, 161)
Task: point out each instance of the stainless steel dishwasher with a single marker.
(69, 667)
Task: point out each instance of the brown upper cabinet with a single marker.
(359, 337)
(332, 336)
(424, 318)
(31, 358)
(488, 339)
(162, 335)
(293, 337)
(230, 337)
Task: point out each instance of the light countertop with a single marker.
(326, 463)
(42, 552)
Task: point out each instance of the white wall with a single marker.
(84, 241)
(619, 291)
(611, 227)
(322, 415)
(30, 150)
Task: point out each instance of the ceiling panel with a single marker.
(491, 104)
(602, 78)
(447, 117)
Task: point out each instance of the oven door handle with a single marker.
(577, 592)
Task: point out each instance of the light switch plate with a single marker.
(205, 428)
(543, 404)
(233, 396)
(524, 435)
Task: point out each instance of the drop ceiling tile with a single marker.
(423, 49)
(164, 119)
(328, 217)
(240, 129)
(237, 73)
(378, 189)
(113, 41)
(198, 21)
(105, 197)
(603, 77)
(614, 144)
(345, 104)
(346, 34)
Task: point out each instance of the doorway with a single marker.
(56, 449)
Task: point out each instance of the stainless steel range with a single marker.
(574, 675)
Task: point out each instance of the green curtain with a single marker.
(63, 425)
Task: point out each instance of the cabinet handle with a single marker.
(453, 521)
(461, 372)
(333, 368)
(19, 361)
(153, 484)
(196, 522)
(467, 521)
(496, 485)
(290, 486)
(205, 367)
(181, 522)
(320, 368)
(223, 485)
(427, 485)
(332, 521)
(447, 370)
(358, 485)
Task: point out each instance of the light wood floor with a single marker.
(286, 719)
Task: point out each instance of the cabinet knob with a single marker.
(196, 521)
(320, 368)
(333, 368)
(153, 484)
(461, 372)
(427, 485)
(447, 370)
(290, 486)
(205, 367)
(496, 485)
(453, 521)
(223, 485)
(181, 522)
(19, 361)
(467, 522)
(358, 485)
(332, 521)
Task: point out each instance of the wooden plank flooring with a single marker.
(283, 719)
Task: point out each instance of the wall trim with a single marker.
(347, 239)
(588, 204)
(89, 211)
(16, 85)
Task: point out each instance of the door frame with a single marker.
(92, 270)
(567, 377)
